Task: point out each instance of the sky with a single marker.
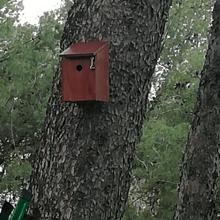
(35, 8)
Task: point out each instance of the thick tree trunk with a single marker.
(84, 162)
(196, 199)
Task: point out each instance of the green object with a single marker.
(6, 211)
(22, 205)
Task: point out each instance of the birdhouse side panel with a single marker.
(102, 75)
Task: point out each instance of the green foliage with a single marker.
(28, 57)
(16, 171)
(158, 156)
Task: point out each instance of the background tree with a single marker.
(200, 169)
(84, 161)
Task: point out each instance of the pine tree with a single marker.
(85, 158)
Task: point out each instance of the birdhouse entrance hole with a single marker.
(79, 67)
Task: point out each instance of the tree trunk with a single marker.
(83, 165)
(200, 169)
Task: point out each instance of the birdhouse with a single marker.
(84, 72)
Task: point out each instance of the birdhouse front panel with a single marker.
(78, 81)
(84, 72)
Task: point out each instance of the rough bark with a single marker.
(83, 165)
(200, 169)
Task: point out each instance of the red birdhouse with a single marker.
(84, 72)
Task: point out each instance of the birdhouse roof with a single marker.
(84, 48)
